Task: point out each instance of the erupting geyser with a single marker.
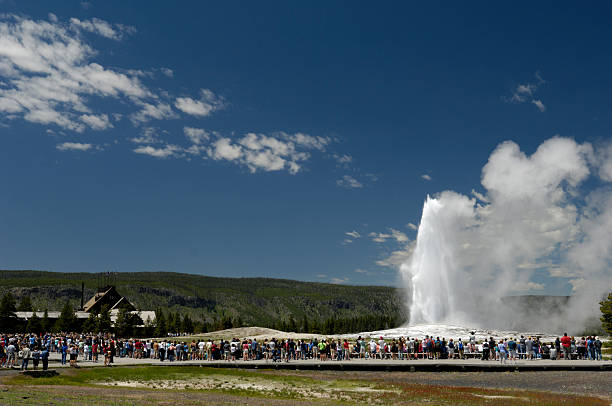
(428, 270)
(530, 233)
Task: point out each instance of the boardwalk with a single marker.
(373, 365)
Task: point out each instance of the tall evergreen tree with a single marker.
(91, 324)
(34, 325)
(104, 320)
(305, 328)
(291, 325)
(25, 305)
(123, 325)
(171, 323)
(161, 328)
(8, 318)
(606, 314)
(149, 329)
(47, 325)
(67, 319)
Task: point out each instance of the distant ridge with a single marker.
(256, 301)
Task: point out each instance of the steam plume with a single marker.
(535, 218)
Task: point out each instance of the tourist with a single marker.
(44, 356)
(472, 346)
(512, 349)
(323, 350)
(11, 354)
(554, 355)
(451, 349)
(25, 357)
(35, 357)
(485, 350)
(501, 349)
(566, 343)
(74, 352)
(597, 344)
(529, 348)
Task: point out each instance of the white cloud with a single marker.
(100, 27)
(353, 234)
(163, 152)
(393, 234)
(397, 257)
(148, 111)
(196, 135)
(96, 122)
(379, 237)
(148, 135)
(480, 196)
(208, 103)
(50, 76)
(412, 226)
(339, 281)
(525, 92)
(224, 149)
(73, 146)
(539, 105)
(349, 182)
(343, 160)
(399, 236)
(426, 176)
(275, 152)
(603, 160)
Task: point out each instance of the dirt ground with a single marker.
(69, 395)
(568, 382)
(576, 382)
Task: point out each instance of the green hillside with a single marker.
(253, 301)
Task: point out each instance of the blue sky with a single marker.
(147, 163)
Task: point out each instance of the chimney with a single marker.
(82, 294)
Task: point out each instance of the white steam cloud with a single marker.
(534, 218)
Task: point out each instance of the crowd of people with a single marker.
(19, 350)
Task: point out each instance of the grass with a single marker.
(160, 385)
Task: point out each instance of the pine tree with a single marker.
(292, 326)
(91, 324)
(123, 325)
(34, 325)
(187, 324)
(305, 327)
(171, 323)
(67, 319)
(8, 318)
(149, 329)
(606, 314)
(46, 323)
(161, 329)
(25, 305)
(104, 320)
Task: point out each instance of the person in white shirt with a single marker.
(201, 350)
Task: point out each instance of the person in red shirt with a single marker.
(566, 343)
(347, 352)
